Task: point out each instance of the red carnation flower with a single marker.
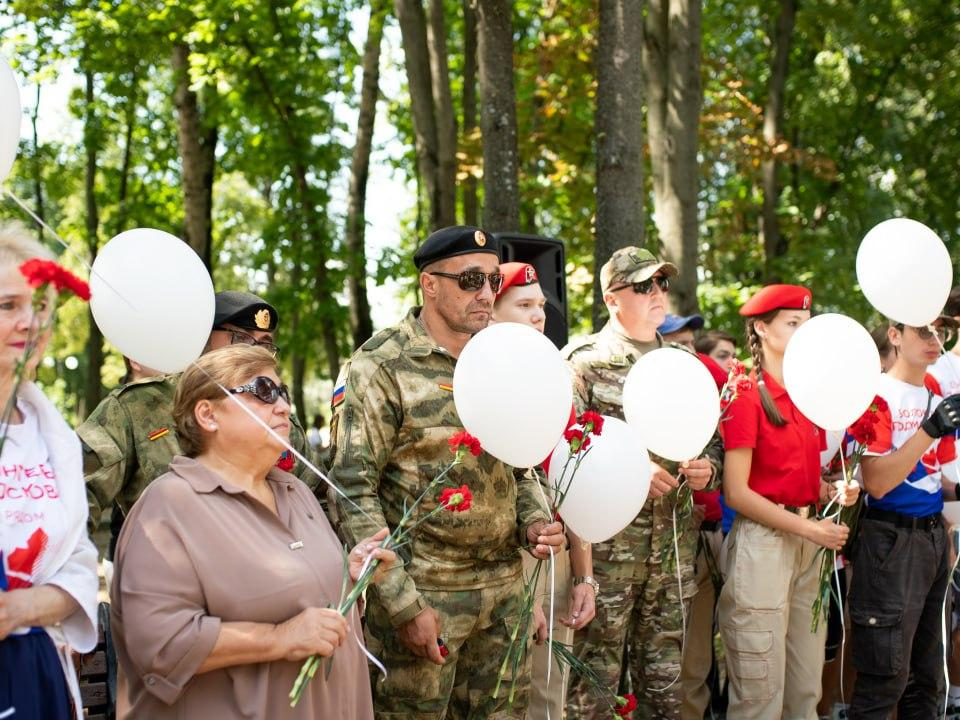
(456, 499)
(627, 704)
(737, 368)
(879, 405)
(39, 272)
(592, 422)
(576, 439)
(464, 440)
(286, 461)
(743, 384)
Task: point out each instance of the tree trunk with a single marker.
(674, 95)
(361, 324)
(498, 116)
(298, 373)
(619, 135)
(413, 31)
(445, 117)
(774, 244)
(470, 207)
(94, 350)
(198, 144)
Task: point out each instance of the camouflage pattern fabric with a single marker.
(129, 440)
(476, 627)
(638, 609)
(393, 417)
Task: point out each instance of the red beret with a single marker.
(777, 297)
(517, 274)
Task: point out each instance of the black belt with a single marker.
(905, 521)
(710, 525)
(804, 511)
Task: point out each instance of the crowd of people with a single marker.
(229, 555)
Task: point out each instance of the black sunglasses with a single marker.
(265, 390)
(645, 287)
(238, 337)
(473, 280)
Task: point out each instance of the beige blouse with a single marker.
(196, 551)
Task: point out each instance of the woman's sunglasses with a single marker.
(264, 389)
(473, 280)
(645, 287)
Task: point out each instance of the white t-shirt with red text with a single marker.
(920, 493)
(946, 371)
(33, 520)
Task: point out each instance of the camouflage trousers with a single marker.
(475, 627)
(635, 641)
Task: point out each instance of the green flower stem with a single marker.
(399, 537)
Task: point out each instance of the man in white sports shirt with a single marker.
(946, 370)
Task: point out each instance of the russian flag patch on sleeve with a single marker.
(339, 395)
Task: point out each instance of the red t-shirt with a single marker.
(786, 460)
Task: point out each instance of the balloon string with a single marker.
(79, 258)
(286, 444)
(683, 612)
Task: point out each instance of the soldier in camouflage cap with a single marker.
(129, 438)
(460, 577)
(638, 607)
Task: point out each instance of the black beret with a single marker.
(452, 241)
(244, 310)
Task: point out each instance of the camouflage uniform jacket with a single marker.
(129, 440)
(600, 363)
(390, 436)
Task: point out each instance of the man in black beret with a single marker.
(241, 317)
(439, 622)
(129, 438)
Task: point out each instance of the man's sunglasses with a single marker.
(944, 333)
(238, 337)
(645, 287)
(473, 280)
(264, 389)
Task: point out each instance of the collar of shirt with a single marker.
(775, 389)
(629, 344)
(204, 480)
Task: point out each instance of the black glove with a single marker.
(945, 418)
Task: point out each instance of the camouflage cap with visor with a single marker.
(632, 264)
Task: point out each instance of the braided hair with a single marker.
(770, 408)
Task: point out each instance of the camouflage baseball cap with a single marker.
(632, 264)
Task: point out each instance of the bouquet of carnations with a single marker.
(450, 499)
(857, 439)
(578, 436)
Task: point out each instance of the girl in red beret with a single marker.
(771, 477)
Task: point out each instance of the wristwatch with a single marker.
(589, 581)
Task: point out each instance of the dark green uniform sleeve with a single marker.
(532, 502)
(107, 452)
(367, 425)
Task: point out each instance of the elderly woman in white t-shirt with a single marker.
(48, 575)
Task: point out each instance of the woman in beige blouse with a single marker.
(226, 567)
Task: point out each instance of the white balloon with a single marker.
(513, 392)
(831, 370)
(152, 297)
(610, 486)
(672, 400)
(10, 111)
(904, 270)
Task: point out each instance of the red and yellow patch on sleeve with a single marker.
(157, 434)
